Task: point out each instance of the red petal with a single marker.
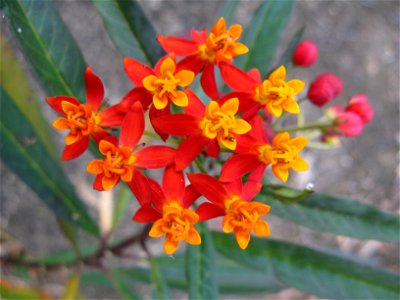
(192, 63)
(112, 116)
(254, 184)
(210, 188)
(112, 139)
(97, 184)
(154, 157)
(255, 74)
(132, 127)
(237, 79)
(94, 89)
(246, 101)
(235, 187)
(136, 71)
(213, 148)
(173, 184)
(208, 82)
(146, 214)
(55, 102)
(181, 47)
(140, 187)
(191, 194)
(238, 165)
(208, 211)
(76, 149)
(155, 114)
(136, 94)
(247, 144)
(99, 135)
(252, 111)
(177, 124)
(188, 150)
(196, 107)
(157, 194)
(257, 129)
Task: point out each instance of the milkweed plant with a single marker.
(219, 121)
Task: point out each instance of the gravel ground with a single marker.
(358, 40)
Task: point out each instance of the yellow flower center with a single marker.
(220, 122)
(177, 223)
(165, 86)
(221, 43)
(242, 217)
(80, 120)
(117, 160)
(283, 154)
(276, 95)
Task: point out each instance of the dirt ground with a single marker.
(358, 41)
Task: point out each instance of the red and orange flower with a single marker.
(121, 158)
(168, 207)
(84, 120)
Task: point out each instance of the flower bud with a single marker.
(324, 88)
(349, 124)
(305, 54)
(359, 105)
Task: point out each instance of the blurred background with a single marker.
(357, 40)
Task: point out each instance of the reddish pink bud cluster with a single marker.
(305, 54)
(325, 87)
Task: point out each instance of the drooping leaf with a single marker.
(121, 204)
(130, 30)
(12, 291)
(71, 289)
(263, 34)
(23, 152)
(161, 289)
(200, 267)
(312, 271)
(337, 215)
(231, 277)
(121, 286)
(14, 81)
(288, 54)
(47, 45)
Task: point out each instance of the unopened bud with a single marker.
(305, 54)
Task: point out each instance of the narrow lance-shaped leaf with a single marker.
(161, 290)
(130, 29)
(14, 81)
(121, 286)
(231, 277)
(337, 215)
(200, 267)
(312, 271)
(47, 45)
(228, 10)
(25, 154)
(288, 54)
(264, 33)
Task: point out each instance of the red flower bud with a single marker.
(305, 54)
(359, 105)
(324, 88)
(349, 124)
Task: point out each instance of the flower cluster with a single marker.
(234, 130)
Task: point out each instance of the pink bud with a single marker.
(359, 105)
(349, 124)
(324, 88)
(305, 54)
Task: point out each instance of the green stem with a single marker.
(306, 127)
(200, 166)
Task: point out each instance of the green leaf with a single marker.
(337, 215)
(129, 29)
(231, 277)
(288, 195)
(47, 45)
(200, 267)
(72, 288)
(312, 271)
(121, 205)
(15, 292)
(25, 154)
(286, 57)
(264, 33)
(117, 281)
(161, 290)
(15, 83)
